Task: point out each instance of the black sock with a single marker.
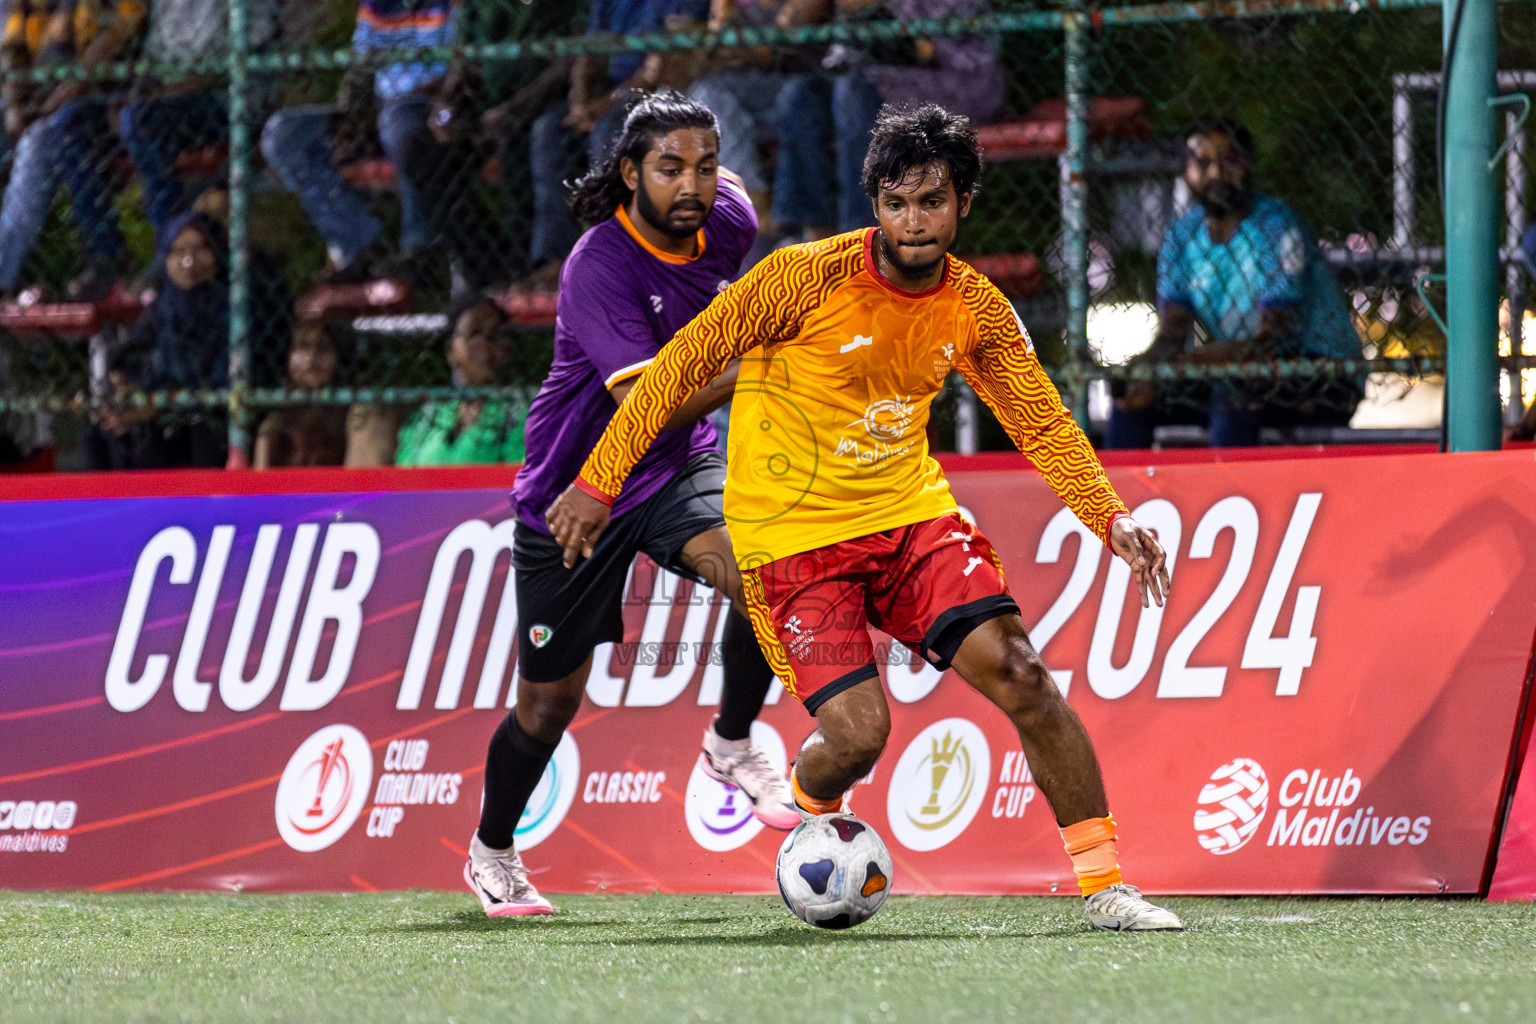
(747, 678)
(513, 766)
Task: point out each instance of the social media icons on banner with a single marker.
(719, 815)
(552, 797)
(939, 784)
(323, 788)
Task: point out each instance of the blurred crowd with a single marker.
(449, 178)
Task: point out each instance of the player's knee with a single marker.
(1024, 689)
(545, 710)
(857, 739)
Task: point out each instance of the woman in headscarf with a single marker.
(181, 343)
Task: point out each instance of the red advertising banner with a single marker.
(1514, 875)
(295, 691)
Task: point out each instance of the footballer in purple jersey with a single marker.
(669, 231)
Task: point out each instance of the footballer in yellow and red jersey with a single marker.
(828, 440)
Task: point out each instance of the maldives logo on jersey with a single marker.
(886, 419)
(323, 788)
(719, 815)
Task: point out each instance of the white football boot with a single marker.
(500, 880)
(738, 763)
(1120, 908)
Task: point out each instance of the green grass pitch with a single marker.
(426, 956)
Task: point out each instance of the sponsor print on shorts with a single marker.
(1232, 806)
(323, 788)
(552, 797)
(720, 816)
(939, 784)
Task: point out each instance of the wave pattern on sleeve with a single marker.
(767, 305)
(1007, 374)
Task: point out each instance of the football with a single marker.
(834, 871)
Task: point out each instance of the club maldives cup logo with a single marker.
(1232, 805)
(939, 784)
(323, 788)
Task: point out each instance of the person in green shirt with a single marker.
(469, 432)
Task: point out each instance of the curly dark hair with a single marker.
(907, 141)
(595, 196)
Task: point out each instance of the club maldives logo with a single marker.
(719, 815)
(1232, 806)
(323, 788)
(552, 797)
(939, 784)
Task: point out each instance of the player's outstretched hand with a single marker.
(1141, 551)
(577, 520)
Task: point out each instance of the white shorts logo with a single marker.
(552, 797)
(1231, 806)
(719, 815)
(939, 784)
(323, 788)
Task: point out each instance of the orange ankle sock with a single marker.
(811, 803)
(1095, 854)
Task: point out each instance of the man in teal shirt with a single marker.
(1246, 268)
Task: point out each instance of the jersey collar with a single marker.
(665, 257)
(885, 282)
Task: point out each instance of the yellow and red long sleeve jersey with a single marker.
(839, 368)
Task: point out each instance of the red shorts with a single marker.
(928, 585)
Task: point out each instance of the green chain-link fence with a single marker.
(268, 133)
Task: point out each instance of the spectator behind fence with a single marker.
(742, 88)
(1245, 269)
(475, 431)
(270, 323)
(838, 106)
(181, 342)
(301, 144)
(320, 356)
(62, 131)
(593, 107)
(169, 117)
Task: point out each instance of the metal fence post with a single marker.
(1514, 274)
(239, 224)
(1074, 207)
(1471, 229)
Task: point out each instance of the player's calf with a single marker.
(852, 730)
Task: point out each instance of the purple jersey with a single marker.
(620, 301)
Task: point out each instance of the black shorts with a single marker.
(565, 613)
